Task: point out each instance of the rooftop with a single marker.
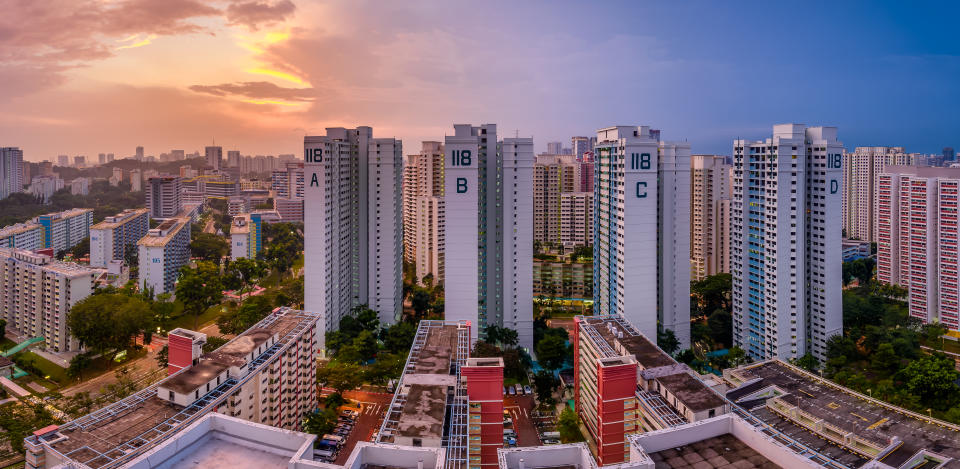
(691, 391)
(719, 451)
(136, 424)
(18, 229)
(67, 213)
(869, 420)
(161, 235)
(423, 411)
(624, 338)
(110, 223)
(240, 224)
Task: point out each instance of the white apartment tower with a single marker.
(352, 224)
(642, 230)
(785, 242)
(861, 169)
(423, 213)
(709, 216)
(488, 239)
(163, 196)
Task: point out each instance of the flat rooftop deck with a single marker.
(724, 451)
(438, 352)
(214, 452)
(691, 391)
(864, 418)
(423, 412)
(647, 353)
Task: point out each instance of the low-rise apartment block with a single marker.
(37, 292)
(626, 385)
(115, 235)
(64, 230)
(266, 375)
(27, 236)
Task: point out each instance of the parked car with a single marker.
(510, 441)
(504, 390)
(518, 388)
(349, 412)
(527, 390)
(512, 390)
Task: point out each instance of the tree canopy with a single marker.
(109, 321)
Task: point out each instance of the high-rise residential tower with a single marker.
(423, 213)
(11, 171)
(163, 196)
(352, 224)
(162, 252)
(859, 189)
(581, 145)
(214, 157)
(709, 216)
(488, 264)
(917, 239)
(785, 252)
(642, 230)
(138, 155)
(553, 175)
(112, 238)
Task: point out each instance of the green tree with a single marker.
(544, 383)
(163, 357)
(569, 426)
(131, 256)
(667, 340)
(320, 422)
(208, 246)
(552, 352)
(250, 270)
(3, 327)
(720, 323)
(421, 302)
(198, 289)
(885, 359)
(109, 322)
(78, 363)
(712, 293)
(808, 362)
(163, 310)
(933, 379)
(737, 356)
(339, 376)
(398, 338)
(388, 366)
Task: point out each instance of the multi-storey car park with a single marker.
(851, 429)
(267, 375)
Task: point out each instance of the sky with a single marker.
(103, 76)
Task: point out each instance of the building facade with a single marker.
(576, 219)
(785, 249)
(563, 278)
(163, 196)
(114, 236)
(625, 385)
(484, 382)
(553, 175)
(709, 216)
(861, 170)
(245, 236)
(11, 171)
(642, 230)
(27, 236)
(37, 292)
(43, 187)
(214, 157)
(488, 240)
(64, 230)
(163, 251)
(352, 224)
(423, 210)
(917, 233)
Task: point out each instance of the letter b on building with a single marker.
(461, 185)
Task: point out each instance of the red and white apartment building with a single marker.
(917, 235)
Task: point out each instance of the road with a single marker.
(520, 408)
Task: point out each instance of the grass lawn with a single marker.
(186, 321)
(57, 374)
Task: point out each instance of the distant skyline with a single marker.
(88, 76)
